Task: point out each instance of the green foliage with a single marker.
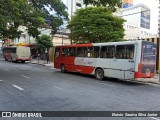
(111, 5)
(30, 13)
(15, 13)
(54, 15)
(44, 42)
(95, 24)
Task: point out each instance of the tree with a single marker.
(44, 42)
(54, 12)
(30, 13)
(95, 24)
(15, 13)
(111, 5)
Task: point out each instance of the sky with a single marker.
(64, 1)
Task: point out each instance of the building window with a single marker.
(78, 5)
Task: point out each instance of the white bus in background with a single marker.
(123, 60)
(17, 53)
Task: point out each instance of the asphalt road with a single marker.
(31, 87)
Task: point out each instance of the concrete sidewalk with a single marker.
(154, 80)
(42, 62)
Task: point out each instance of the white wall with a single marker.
(25, 38)
(153, 5)
(138, 32)
(71, 6)
(132, 18)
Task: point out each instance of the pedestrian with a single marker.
(38, 57)
(47, 58)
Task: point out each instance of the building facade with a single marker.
(127, 3)
(143, 16)
(73, 6)
(138, 22)
(138, 15)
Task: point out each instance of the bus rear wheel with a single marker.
(63, 68)
(5, 59)
(22, 61)
(99, 74)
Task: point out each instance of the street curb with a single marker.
(38, 64)
(158, 83)
(42, 64)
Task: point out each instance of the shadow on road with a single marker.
(106, 79)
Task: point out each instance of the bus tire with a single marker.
(99, 74)
(11, 59)
(63, 68)
(5, 59)
(22, 61)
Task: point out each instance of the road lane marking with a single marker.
(154, 118)
(52, 68)
(6, 69)
(61, 89)
(19, 88)
(103, 83)
(89, 90)
(25, 76)
(1, 80)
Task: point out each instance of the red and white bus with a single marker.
(17, 53)
(123, 60)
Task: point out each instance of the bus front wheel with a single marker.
(63, 68)
(99, 74)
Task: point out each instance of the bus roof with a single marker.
(102, 44)
(117, 43)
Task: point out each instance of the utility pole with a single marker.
(71, 15)
(158, 39)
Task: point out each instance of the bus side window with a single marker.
(120, 52)
(64, 52)
(96, 52)
(71, 52)
(82, 52)
(125, 51)
(93, 52)
(110, 51)
(130, 51)
(57, 53)
(103, 52)
(90, 52)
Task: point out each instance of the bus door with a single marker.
(123, 65)
(68, 56)
(57, 58)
